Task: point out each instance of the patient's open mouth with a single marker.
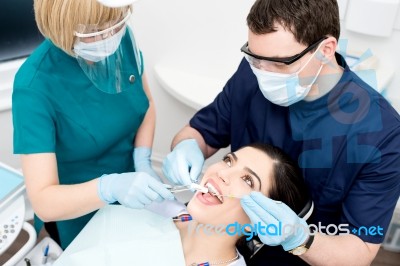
(214, 192)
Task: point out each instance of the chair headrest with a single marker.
(306, 212)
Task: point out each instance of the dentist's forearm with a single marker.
(190, 133)
(340, 250)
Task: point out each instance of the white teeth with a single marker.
(213, 191)
(199, 188)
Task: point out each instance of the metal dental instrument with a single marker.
(176, 189)
(237, 197)
(226, 196)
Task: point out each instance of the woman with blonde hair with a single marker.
(84, 117)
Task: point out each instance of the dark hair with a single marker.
(287, 183)
(308, 20)
(287, 186)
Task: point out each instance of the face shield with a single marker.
(108, 54)
(116, 3)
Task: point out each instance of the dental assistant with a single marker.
(293, 91)
(83, 117)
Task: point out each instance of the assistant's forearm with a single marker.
(190, 133)
(340, 250)
(62, 202)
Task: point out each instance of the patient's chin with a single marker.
(198, 212)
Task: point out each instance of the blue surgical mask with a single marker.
(283, 89)
(98, 50)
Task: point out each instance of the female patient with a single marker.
(258, 167)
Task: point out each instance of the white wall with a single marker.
(7, 72)
(386, 49)
(202, 37)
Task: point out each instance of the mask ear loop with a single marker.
(309, 59)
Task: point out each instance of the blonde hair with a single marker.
(58, 19)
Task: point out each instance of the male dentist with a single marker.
(292, 90)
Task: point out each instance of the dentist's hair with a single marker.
(287, 182)
(308, 20)
(58, 19)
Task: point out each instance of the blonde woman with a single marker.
(83, 117)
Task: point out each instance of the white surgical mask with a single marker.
(283, 89)
(98, 50)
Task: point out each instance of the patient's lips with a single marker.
(210, 198)
(214, 192)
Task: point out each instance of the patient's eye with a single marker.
(227, 160)
(249, 180)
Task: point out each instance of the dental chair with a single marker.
(250, 250)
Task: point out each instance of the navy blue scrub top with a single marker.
(347, 144)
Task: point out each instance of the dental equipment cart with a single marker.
(12, 213)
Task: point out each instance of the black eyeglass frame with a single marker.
(285, 60)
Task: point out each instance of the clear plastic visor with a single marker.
(109, 56)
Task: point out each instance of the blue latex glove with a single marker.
(141, 159)
(267, 211)
(183, 165)
(133, 190)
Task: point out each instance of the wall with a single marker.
(7, 72)
(386, 49)
(202, 36)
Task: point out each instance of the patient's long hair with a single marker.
(287, 183)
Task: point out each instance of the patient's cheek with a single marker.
(242, 217)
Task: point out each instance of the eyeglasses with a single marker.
(284, 60)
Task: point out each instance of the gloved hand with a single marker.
(183, 165)
(267, 211)
(133, 190)
(141, 159)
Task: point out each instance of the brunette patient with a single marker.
(256, 168)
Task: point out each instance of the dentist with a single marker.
(84, 117)
(292, 90)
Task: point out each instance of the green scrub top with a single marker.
(57, 109)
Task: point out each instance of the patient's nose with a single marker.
(223, 175)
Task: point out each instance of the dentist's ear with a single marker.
(327, 51)
(321, 57)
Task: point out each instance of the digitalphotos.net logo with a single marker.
(281, 230)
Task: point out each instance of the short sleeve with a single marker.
(33, 120)
(213, 121)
